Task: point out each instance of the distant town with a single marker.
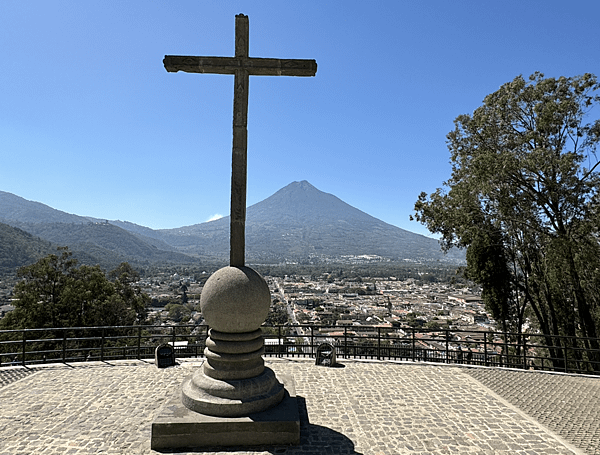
(328, 300)
(358, 306)
(343, 301)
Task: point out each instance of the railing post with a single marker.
(447, 350)
(102, 347)
(413, 343)
(64, 346)
(24, 343)
(506, 351)
(279, 341)
(139, 342)
(345, 342)
(174, 338)
(524, 352)
(565, 355)
(485, 354)
(312, 341)
(378, 343)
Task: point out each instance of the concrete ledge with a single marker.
(179, 427)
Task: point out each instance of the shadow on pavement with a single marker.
(314, 439)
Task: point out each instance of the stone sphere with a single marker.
(235, 300)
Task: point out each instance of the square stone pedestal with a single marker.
(178, 427)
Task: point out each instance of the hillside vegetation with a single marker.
(299, 223)
(19, 248)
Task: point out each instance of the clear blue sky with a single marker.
(92, 124)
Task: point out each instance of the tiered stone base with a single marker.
(232, 398)
(233, 380)
(178, 427)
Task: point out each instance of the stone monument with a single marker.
(233, 399)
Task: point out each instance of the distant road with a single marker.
(297, 330)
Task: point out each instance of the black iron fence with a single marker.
(471, 347)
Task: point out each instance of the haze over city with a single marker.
(92, 124)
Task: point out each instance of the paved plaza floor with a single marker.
(359, 407)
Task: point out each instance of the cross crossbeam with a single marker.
(241, 66)
(230, 65)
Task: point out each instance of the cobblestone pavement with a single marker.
(567, 404)
(360, 407)
(8, 375)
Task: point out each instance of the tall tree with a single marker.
(39, 294)
(488, 266)
(524, 171)
(131, 295)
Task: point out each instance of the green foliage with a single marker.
(54, 292)
(105, 242)
(178, 312)
(523, 197)
(487, 265)
(413, 320)
(400, 270)
(433, 324)
(278, 315)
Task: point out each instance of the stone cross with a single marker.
(242, 66)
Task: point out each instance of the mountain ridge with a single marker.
(297, 222)
(300, 221)
(15, 208)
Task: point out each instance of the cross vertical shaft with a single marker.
(239, 158)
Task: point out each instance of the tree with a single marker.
(523, 198)
(130, 295)
(38, 296)
(178, 312)
(125, 273)
(54, 293)
(488, 265)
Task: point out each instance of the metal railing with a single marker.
(470, 347)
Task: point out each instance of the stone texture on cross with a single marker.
(242, 66)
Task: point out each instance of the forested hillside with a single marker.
(107, 242)
(19, 248)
